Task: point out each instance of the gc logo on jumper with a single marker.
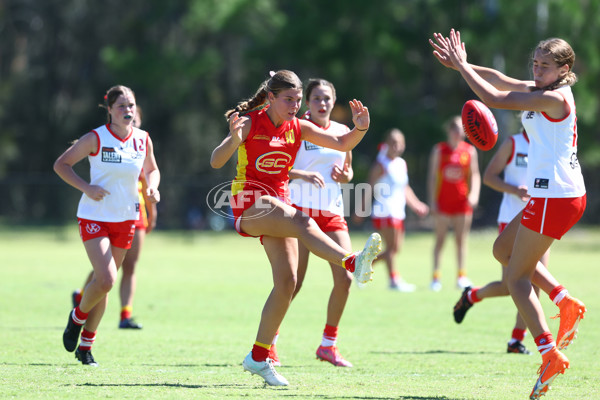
(273, 162)
(109, 155)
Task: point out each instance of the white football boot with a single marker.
(363, 264)
(264, 369)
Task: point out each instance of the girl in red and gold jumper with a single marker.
(453, 184)
(267, 139)
(109, 206)
(554, 182)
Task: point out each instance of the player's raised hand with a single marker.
(441, 51)
(360, 115)
(456, 48)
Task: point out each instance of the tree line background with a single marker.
(190, 60)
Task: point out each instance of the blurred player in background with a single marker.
(453, 183)
(554, 182)
(388, 178)
(143, 225)
(108, 208)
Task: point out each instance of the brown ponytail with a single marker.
(259, 99)
(279, 81)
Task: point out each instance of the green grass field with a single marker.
(200, 297)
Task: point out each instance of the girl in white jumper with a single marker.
(109, 206)
(554, 182)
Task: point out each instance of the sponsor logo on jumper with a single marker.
(273, 162)
(453, 173)
(529, 114)
(277, 141)
(311, 146)
(137, 207)
(541, 183)
(92, 228)
(574, 161)
(521, 160)
(110, 155)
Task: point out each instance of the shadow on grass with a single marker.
(434, 352)
(33, 364)
(192, 365)
(173, 385)
(145, 365)
(252, 386)
(400, 397)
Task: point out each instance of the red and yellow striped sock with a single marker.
(126, 312)
(349, 262)
(260, 351)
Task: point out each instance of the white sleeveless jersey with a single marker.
(515, 173)
(311, 157)
(389, 192)
(116, 167)
(553, 170)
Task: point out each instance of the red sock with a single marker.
(544, 342)
(329, 336)
(259, 353)
(330, 330)
(518, 334)
(79, 316)
(125, 313)
(472, 296)
(556, 292)
(87, 340)
(78, 296)
(349, 262)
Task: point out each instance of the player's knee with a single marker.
(106, 282)
(500, 252)
(303, 221)
(297, 287)
(346, 282)
(287, 285)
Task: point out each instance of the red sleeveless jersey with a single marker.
(453, 178)
(267, 155)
